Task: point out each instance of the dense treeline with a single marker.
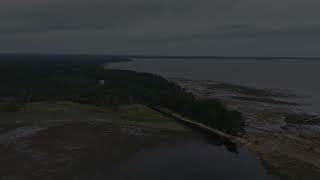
(80, 81)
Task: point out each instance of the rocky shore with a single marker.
(284, 137)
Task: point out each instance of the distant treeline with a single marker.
(89, 83)
(222, 57)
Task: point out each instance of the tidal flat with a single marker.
(65, 140)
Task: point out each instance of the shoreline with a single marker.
(282, 135)
(188, 122)
(286, 139)
(107, 135)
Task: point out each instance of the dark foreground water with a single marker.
(189, 161)
(94, 151)
(298, 76)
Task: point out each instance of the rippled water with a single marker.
(298, 76)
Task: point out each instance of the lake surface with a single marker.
(112, 151)
(299, 76)
(192, 160)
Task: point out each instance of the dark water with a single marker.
(298, 76)
(189, 161)
(109, 151)
(199, 156)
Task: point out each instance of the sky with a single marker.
(164, 27)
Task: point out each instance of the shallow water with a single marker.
(107, 151)
(298, 76)
(192, 160)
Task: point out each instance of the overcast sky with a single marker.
(167, 27)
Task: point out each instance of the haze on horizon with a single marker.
(167, 27)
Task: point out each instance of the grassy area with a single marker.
(59, 106)
(141, 113)
(50, 113)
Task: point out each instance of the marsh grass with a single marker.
(141, 113)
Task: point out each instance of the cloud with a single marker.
(145, 24)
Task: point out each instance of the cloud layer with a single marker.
(208, 27)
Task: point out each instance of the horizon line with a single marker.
(152, 56)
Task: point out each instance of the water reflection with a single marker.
(191, 160)
(217, 140)
(107, 151)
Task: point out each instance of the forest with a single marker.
(79, 79)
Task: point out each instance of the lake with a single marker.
(192, 159)
(297, 76)
(109, 150)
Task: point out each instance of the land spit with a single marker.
(284, 137)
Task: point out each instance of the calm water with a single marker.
(298, 76)
(192, 160)
(109, 151)
(199, 156)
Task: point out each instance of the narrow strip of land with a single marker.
(218, 57)
(229, 137)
